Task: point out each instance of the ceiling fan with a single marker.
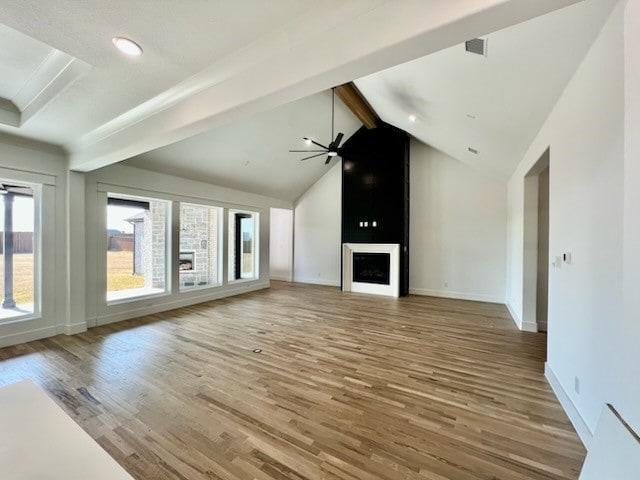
(333, 149)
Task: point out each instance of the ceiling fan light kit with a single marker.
(333, 150)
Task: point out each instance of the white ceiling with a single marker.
(214, 66)
(510, 92)
(32, 74)
(207, 63)
(253, 154)
(180, 38)
(20, 56)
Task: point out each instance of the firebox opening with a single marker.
(371, 268)
(187, 260)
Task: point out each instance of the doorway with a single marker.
(536, 246)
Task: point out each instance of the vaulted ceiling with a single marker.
(224, 88)
(496, 103)
(252, 154)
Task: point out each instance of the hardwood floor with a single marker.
(347, 386)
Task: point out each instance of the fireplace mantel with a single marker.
(348, 285)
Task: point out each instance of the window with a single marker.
(200, 230)
(19, 249)
(136, 247)
(243, 245)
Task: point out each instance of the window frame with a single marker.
(167, 250)
(231, 259)
(37, 189)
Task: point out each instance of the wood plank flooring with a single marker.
(347, 386)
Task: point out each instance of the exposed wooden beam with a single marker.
(355, 101)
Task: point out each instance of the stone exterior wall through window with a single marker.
(199, 236)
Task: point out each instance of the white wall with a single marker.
(134, 181)
(585, 135)
(542, 286)
(627, 397)
(458, 228)
(317, 231)
(281, 245)
(28, 161)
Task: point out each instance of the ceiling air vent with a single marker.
(477, 46)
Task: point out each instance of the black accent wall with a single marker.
(375, 188)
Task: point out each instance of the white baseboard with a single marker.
(317, 281)
(280, 278)
(192, 300)
(524, 326)
(514, 316)
(583, 430)
(28, 336)
(476, 297)
(72, 329)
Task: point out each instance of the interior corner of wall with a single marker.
(516, 318)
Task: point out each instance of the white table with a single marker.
(38, 440)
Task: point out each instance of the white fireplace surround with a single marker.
(348, 285)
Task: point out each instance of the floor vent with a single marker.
(477, 46)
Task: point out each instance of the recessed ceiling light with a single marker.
(126, 46)
(412, 118)
(307, 141)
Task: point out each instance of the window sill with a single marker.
(120, 297)
(198, 288)
(243, 280)
(10, 315)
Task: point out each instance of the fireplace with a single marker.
(371, 268)
(187, 261)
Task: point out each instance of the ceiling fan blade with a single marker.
(336, 142)
(312, 156)
(305, 151)
(328, 160)
(316, 143)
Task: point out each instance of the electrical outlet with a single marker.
(576, 385)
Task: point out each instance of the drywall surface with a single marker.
(317, 238)
(542, 291)
(585, 135)
(458, 228)
(281, 245)
(628, 400)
